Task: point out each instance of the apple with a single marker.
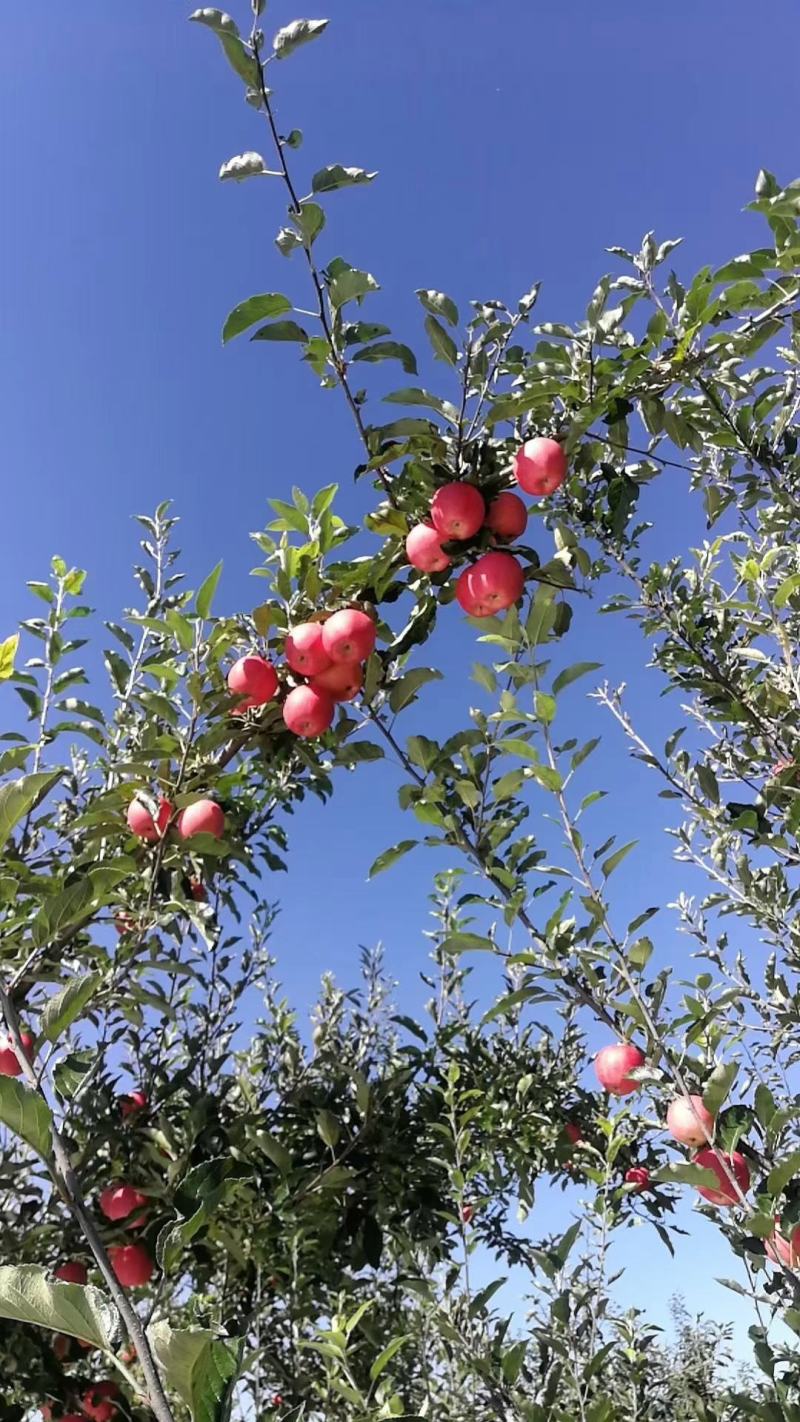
(491, 584)
(349, 635)
(132, 1264)
(254, 680)
(304, 651)
(341, 682)
(96, 1401)
(277, 1400)
(9, 1062)
(61, 1346)
(307, 711)
(424, 549)
(507, 516)
(198, 891)
(74, 1417)
(72, 1272)
(132, 1102)
(125, 922)
(612, 1065)
(203, 817)
(639, 1177)
(573, 1133)
(780, 768)
(689, 1121)
(782, 1250)
(540, 466)
(118, 1201)
(142, 824)
(457, 510)
(725, 1195)
(467, 1213)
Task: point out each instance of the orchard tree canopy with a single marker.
(206, 1219)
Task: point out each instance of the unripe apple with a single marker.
(9, 1063)
(507, 516)
(308, 711)
(341, 682)
(540, 466)
(96, 1402)
(457, 510)
(612, 1065)
(132, 1102)
(725, 1195)
(203, 817)
(348, 636)
(304, 651)
(424, 549)
(141, 822)
(132, 1264)
(118, 1201)
(254, 680)
(639, 1177)
(689, 1122)
(490, 585)
(72, 1272)
(782, 1250)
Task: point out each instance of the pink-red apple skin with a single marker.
(424, 549)
(308, 712)
(690, 1122)
(72, 1272)
(349, 635)
(9, 1063)
(540, 466)
(304, 651)
(612, 1065)
(132, 1264)
(203, 817)
(639, 1177)
(96, 1402)
(782, 1250)
(132, 1102)
(467, 1214)
(490, 585)
(142, 824)
(725, 1195)
(118, 1201)
(573, 1133)
(457, 511)
(254, 681)
(341, 682)
(507, 516)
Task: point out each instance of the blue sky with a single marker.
(514, 141)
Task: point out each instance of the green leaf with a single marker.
(242, 166)
(685, 1173)
(783, 1172)
(467, 943)
(609, 865)
(309, 221)
(349, 285)
(383, 1359)
(414, 396)
(26, 1113)
(298, 32)
(439, 305)
(389, 350)
(787, 589)
(200, 1366)
(718, 1087)
(404, 691)
(71, 1071)
(61, 1010)
(8, 652)
(29, 1295)
(328, 1128)
(236, 52)
(255, 308)
(280, 331)
(60, 911)
(444, 347)
(329, 179)
(545, 707)
(391, 856)
(22, 796)
(205, 595)
(570, 674)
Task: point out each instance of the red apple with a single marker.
(782, 1250)
(780, 768)
(132, 1102)
(61, 1346)
(341, 682)
(125, 922)
(725, 1195)
(9, 1062)
(118, 1201)
(573, 1133)
(467, 1213)
(141, 822)
(540, 466)
(612, 1065)
(74, 1417)
(639, 1177)
(348, 636)
(507, 516)
(457, 510)
(308, 711)
(424, 549)
(96, 1401)
(72, 1272)
(254, 681)
(203, 817)
(689, 1121)
(132, 1264)
(198, 891)
(304, 651)
(490, 585)
(277, 1400)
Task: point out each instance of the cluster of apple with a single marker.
(97, 1404)
(459, 511)
(201, 817)
(690, 1123)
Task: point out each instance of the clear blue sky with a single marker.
(515, 140)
